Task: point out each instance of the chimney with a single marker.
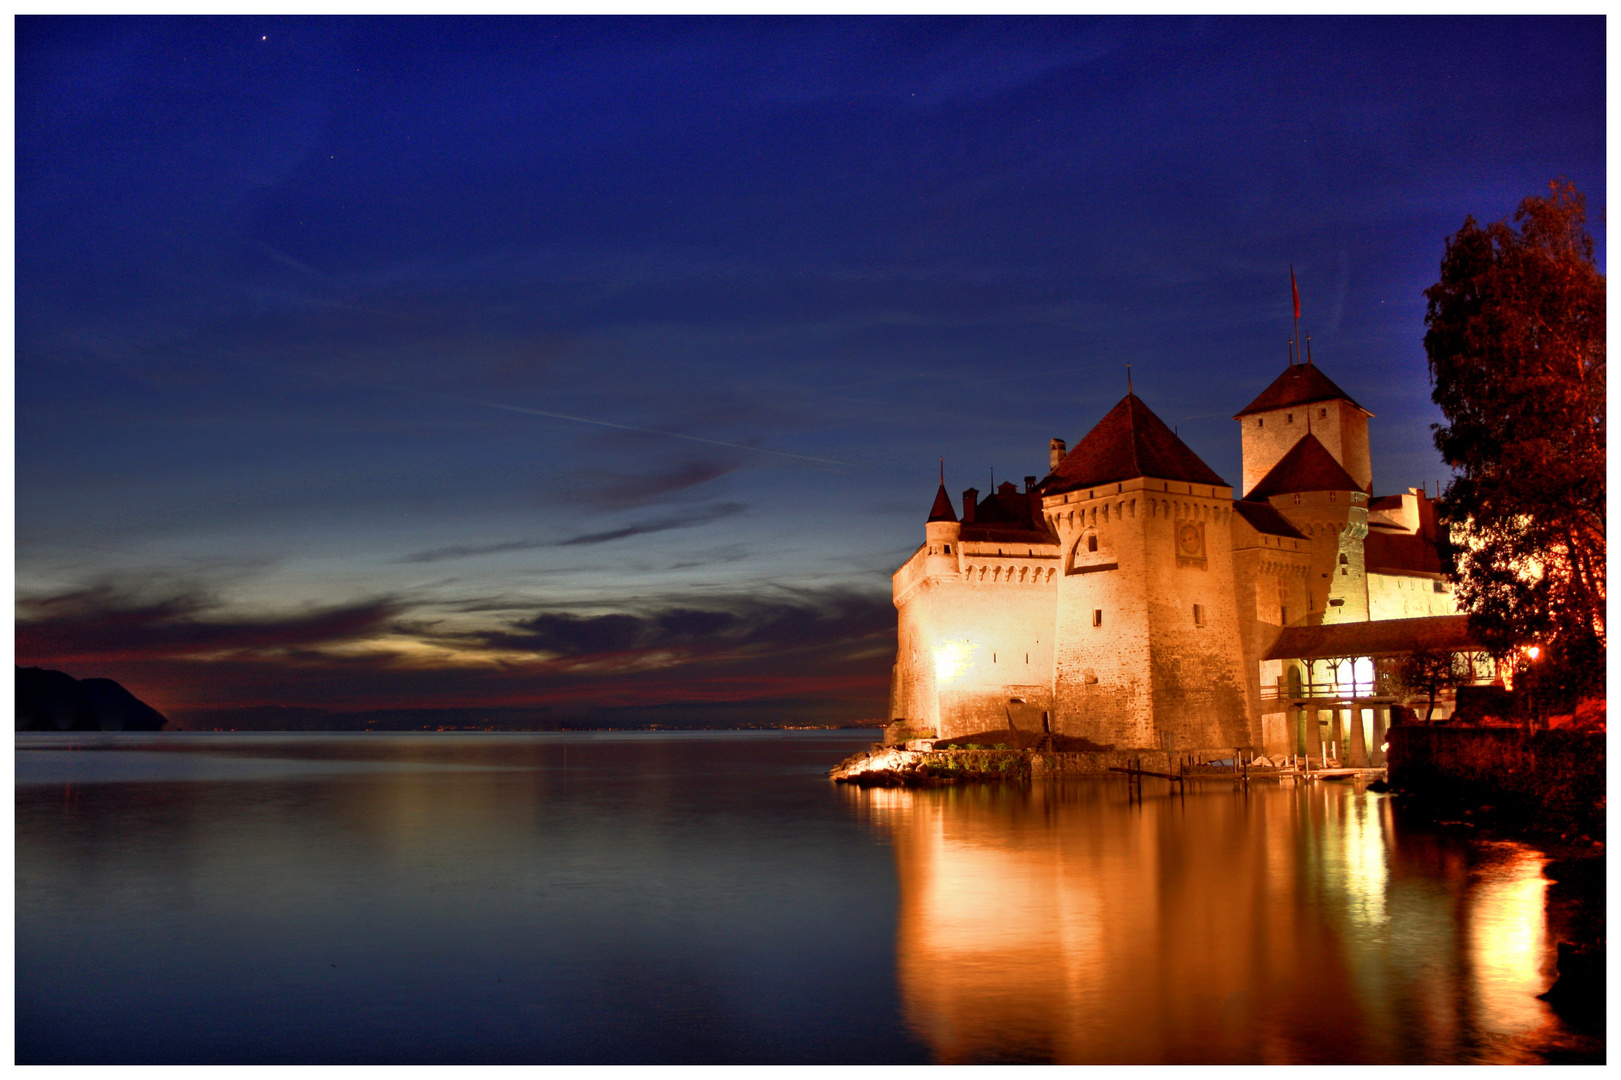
(970, 502)
(1055, 454)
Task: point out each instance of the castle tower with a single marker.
(1325, 502)
(1303, 399)
(1149, 651)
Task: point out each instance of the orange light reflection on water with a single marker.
(1071, 923)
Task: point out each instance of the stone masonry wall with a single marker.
(1402, 596)
(1199, 689)
(1101, 686)
(976, 640)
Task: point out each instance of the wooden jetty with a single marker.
(1243, 770)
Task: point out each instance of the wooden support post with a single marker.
(1314, 734)
(1358, 747)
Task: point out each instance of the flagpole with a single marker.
(1295, 290)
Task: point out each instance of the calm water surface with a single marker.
(711, 897)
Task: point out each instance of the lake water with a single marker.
(711, 897)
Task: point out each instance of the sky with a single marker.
(609, 363)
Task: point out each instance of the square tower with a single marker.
(1301, 401)
(1149, 652)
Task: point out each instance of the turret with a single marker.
(941, 533)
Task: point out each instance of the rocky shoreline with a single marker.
(923, 763)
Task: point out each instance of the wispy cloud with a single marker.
(108, 622)
(701, 516)
(186, 649)
(622, 490)
(652, 431)
(801, 621)
(461, 551)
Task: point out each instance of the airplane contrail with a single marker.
(651, 431)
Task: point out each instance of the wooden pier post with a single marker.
(1357, 754)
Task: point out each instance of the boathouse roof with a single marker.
(1383, 637)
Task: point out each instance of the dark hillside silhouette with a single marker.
(54, 701)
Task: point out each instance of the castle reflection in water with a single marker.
(1077, 923)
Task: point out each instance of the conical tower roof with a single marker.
(1298, 384)
(1308, 466)
(942, 509)
(1130, 441)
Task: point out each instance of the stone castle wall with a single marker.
(1196, 657)
(976, 639)
(1409, 596)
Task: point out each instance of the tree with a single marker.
(1516, 355)
(1427, 672)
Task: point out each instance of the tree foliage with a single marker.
(1516, 353)
(1427, 672)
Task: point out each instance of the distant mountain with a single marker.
(54, 701)
(740, 715)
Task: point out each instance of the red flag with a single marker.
(1294, 289)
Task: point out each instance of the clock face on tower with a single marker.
(1190, 544)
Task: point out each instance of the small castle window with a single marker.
(1297, 498)
(1333, 496)
(1344, 559)
(1097, 617)
(1344, 572)
(948, 549)
(1198, 614)
(1283, 616)
(1260, 422)
(1291, 419)
(1092, 543)
(1322, 414)
(1440, 586)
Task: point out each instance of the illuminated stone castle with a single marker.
(1128, 599)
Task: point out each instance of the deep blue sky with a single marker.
(302, 303)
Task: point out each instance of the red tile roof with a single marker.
(1264, 517)
(1300, 384)
(1400, 553)
(1308, 466)
(1009, 515)
(1383, 637)
(1130, 441)
(942, 509)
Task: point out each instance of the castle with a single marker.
(1130, 600)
